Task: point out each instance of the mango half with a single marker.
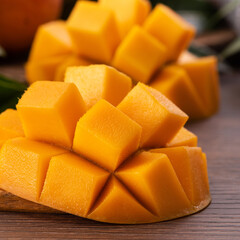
(105, 163)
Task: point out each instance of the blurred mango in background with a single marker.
(19, 20)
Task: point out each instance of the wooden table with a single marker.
(220, 138)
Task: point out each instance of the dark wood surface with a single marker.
(219, 137)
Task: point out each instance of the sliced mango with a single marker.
(175, 84)
(94, 31)
(99, 81)
(183, 138)
(45, 113)
(128, 12)
(72, 60)
(10, 125)
(23, 166)
(151, 177)
(204, 75)
(106, 135)
(139, 55)
(190, 167)
(170, 29)
(159, 117)
(186, 56)
(79, 183)
(117, 205)
(51, 39)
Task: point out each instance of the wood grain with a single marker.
(219, 137)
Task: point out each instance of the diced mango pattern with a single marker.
(104, 175)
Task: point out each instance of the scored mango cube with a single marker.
(128, 12)
(170, 29)
(159, 117)
(94, 31)
(139, 55)
(190, 167)
(99, 81)
(10, 125)
(183, 138)
(174, 82)
(23, 166)
(106, 135)
(79, 183)
(45, 113)
(52, 39)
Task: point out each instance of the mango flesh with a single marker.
(174, 82)
(128, 12)
(179, 32)
(45, 113)
(132, 55)
(94, 31)
(97, 82)
(159, 118)
(10, 125)
(106, 135)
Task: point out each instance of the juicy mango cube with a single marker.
(128, 12)
(183, 138)
(52, 39)
(175, 84)
(139, 55)
(99, 81)
(79, 183)
(160, 118)
(10, 125)
(117, 205)
(190, 167)
(151, 177)
(106, 135)
(23, 166)
(45, 113)
(170, 29)
(94, 31)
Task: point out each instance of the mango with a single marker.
(51, 39)
(106, 135)
(128, 12)
(97, 82)
(170, 29)
(94, 31)
(190, 167)
(10, 125)
(139, 55)
(23, 166)
(204, 75)
(174, 82)
(45, 113)
(160, 118)
(183, 138)
(69, 61)
(186, 56)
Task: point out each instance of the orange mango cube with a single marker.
(152, 179)
(94, 31)
(23, 166)
(190, 167)
(159, 117)
(185, 57)
(10, 125)
(79, 183)
(51, 39)
(175, 84)
(139, 55)
(128, 12)
(170, 29)
(183, 138)
(106, 135)
(99, 81)
(45, 113)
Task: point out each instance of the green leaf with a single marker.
(231, 49)
(11, 102)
